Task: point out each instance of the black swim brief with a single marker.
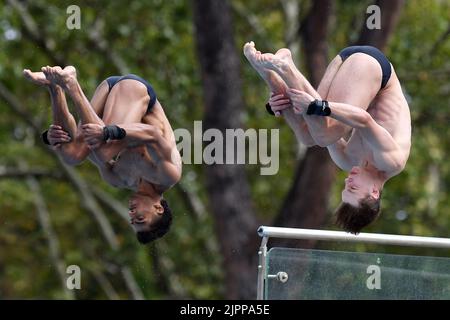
(151, 92)
(371, 51)
(375, 53)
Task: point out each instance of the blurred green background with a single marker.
(49, 214)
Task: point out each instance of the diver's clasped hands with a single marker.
(92, 134)
(296, 99)
(57, 136)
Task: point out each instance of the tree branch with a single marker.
(390, 12)
(291, 9)
(192, 201)
(313, 33)
(164, 274)
(37, 173)
(101, 45)
(105, 284)
(111, 203)
(16, 106)
(101, 219)
(87, 199)
(52, 240)
(31, 31)
(291, 12)
(227, 185)
(439, 42)
(253, 22)
(90, 204)
(161, 265)
(304, 206)
(131, 283)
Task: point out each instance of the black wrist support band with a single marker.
(319, 108)
(45, 138)
(113, 133)
(269, 109)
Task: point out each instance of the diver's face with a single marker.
(358, 185)
(143, 212)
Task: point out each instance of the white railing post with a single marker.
(262, 253)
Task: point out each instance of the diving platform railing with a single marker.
(319, 265)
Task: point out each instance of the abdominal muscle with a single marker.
(129, 166)
(141, 162)
(391, 111)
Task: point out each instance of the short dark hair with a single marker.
(159, 228)
(352, 219)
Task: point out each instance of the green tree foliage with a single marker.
(154, 39)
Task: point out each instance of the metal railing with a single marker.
(312, 234)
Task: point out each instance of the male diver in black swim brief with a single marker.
(124, 131)
(358, 112)
(151, 93)
(374, 53)
(369, 50)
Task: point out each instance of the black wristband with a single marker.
(113, 132)
(319, 108)
(44, 137)
(269, 109)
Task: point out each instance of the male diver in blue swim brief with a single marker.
(358, 112)
(124, 131)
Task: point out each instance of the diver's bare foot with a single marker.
(251, 53)
(36, 77)
(285, 54)
(279, 62)
(63, 77)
